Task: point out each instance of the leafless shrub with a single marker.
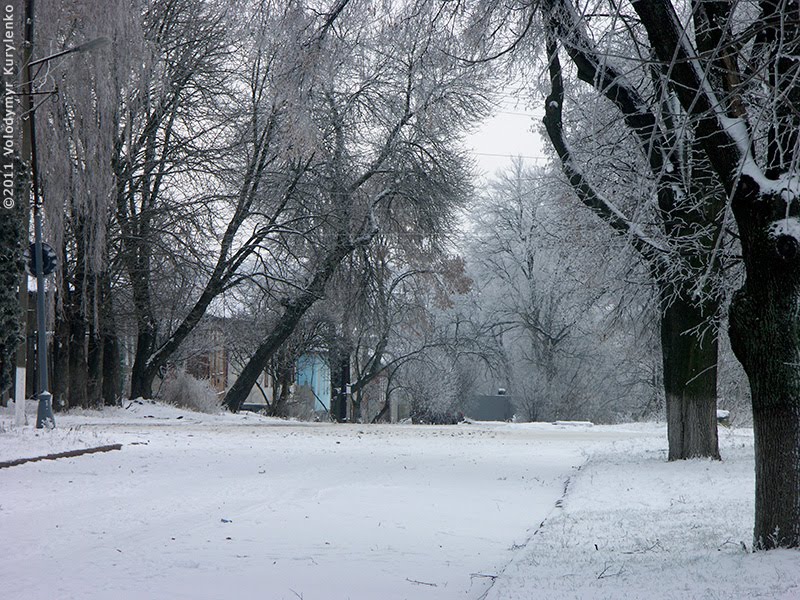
(182, 390)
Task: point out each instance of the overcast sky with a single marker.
(506, 134)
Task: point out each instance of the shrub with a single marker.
(182, 390)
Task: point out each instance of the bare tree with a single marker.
(736, 74)
(76, 103)
(170, 111)
(550, 282)
(730, 68)
(385, 102)
(683, 249)
(13, 236)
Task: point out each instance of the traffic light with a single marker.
(49, 259)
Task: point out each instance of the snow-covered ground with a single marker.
(241, 506)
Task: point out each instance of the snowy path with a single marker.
(237, 509)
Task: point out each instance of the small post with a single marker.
(44, 414)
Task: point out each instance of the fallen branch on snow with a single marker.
(67, 454)
(421, 582)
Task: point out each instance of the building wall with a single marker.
(314, 374)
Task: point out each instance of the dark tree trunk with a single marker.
(76, 310)
(94, 344)
(142, 375)
(339, 380)
(78, 367)
(94, 358)
(283, 382)
(112, 381)
(293, 312)
(59, 377)
(11, 234)
(690, 381)
(765, 336)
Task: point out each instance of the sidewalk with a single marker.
(633, 526)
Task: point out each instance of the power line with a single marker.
(511, 155)
(513, 113)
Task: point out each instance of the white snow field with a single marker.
(244, 507)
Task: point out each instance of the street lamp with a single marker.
(44, 415)
(86, 47)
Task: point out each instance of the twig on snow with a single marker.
(604, 573)
(414, 581)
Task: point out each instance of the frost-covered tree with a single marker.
(631, 159)
(729, 70)
(13, 236)
(76, 100)
(169, 137)
(677, 225)
(549, 280)
(386, 102)
(733, 66)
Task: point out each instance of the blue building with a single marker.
(314, 374)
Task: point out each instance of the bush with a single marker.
(182, 390)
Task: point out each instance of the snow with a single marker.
(634, 526)
(216, 506)
(785, 227)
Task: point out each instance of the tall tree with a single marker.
(76, 141)
(12, 233)
(735, 72)
(385, 103)
(170, 109)
(730, 68)
(551, 281)
(683, 248)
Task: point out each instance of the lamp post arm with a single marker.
(90, 45)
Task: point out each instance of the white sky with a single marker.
(512, 131)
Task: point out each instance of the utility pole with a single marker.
(44, 415)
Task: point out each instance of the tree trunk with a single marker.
(382, 414)
(293, 312)
(11, 232)
(94, 358)
(59, 378)
(112, 381)
(340, 377)
(60, 349)
(690, 381)
(141, 376)
(283, 383)
(78, 367)
(765, 336)
(136, 256)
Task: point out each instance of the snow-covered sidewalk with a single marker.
(208, 507)
(201, 507)
(633, 526)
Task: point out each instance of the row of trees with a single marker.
(306, 161)
(222, 152)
